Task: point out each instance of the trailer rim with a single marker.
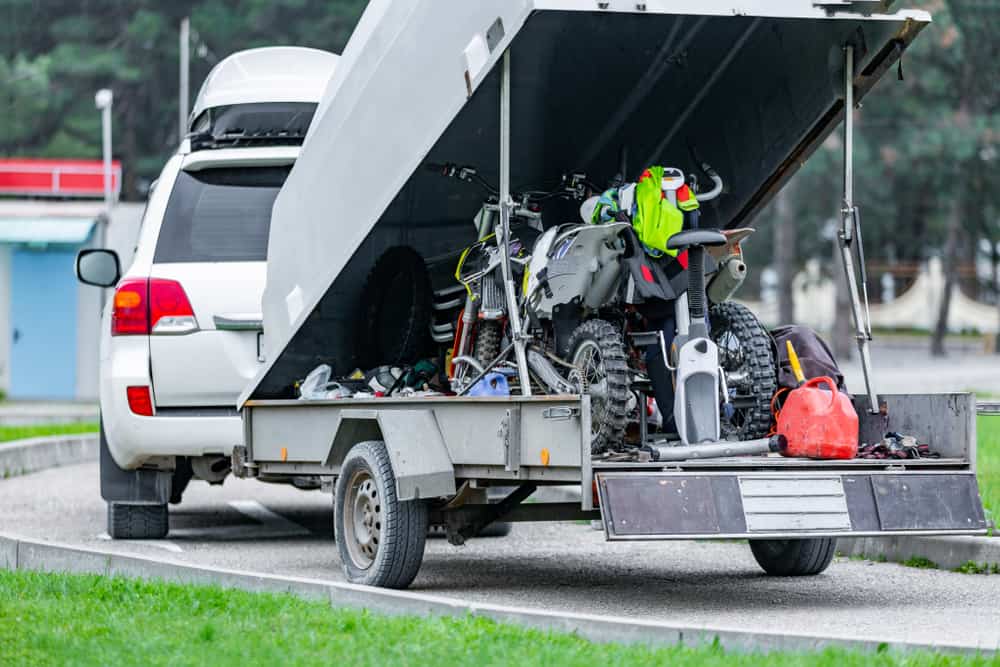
(362, 519)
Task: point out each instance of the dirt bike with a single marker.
(576, 303)
(583, 307)
(482, 328)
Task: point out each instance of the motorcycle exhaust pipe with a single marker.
(732, 272)
(720, 450)
(547, 373)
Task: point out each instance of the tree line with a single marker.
(928, 146)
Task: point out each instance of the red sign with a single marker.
(30, 177)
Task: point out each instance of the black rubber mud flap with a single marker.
(131, 486)
(667, 505)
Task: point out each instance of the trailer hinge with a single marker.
(561, 413)
(242, 467)
(510, 433)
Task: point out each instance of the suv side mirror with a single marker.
(98, 267)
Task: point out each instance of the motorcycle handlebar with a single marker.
(715, 191)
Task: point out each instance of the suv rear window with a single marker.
(219, 215)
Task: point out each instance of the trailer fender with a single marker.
(420, 459)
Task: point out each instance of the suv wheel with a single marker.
(137, 522)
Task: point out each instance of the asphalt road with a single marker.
(278, 529)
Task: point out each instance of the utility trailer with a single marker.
(524, 90)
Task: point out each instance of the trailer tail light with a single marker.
(170, 311)
(156, 305)
(130, 316)
(140, 401)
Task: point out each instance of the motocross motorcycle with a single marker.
(583, 306)
(481, 331)
(588, 332)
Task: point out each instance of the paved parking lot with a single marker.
(276, 529)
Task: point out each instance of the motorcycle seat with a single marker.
(696, 237)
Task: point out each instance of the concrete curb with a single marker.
(945, 552)
(23, 414)
(23, 554)
(20, 457)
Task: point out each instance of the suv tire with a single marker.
(137, 522)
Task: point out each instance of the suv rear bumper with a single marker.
(134, 439)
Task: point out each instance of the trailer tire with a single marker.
(395, 310)
(137, 522)
(380, 539)
(609, 372)
(794, 558)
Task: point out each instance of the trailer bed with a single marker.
(442, 447)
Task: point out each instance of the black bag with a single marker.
(813, 352)
(655, 279)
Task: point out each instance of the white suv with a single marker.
(182, 334)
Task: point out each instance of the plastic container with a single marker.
(819, 423)
(492, 384)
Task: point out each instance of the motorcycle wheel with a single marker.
(489, 335)
(597, 351)
(746, 355)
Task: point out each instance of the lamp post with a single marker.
(185, 76)
(104, 99)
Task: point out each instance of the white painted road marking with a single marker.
(271, 520)
(159, 544)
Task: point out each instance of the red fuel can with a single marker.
(819, 423)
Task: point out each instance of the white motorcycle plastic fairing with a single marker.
(696, 396)
(539, 258)
(581, 265)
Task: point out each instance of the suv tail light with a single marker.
(169, 309)
(131, 308)
(153, 306)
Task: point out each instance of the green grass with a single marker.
(988, 464)
(8, 433)
(972, 567)
(56, 619)
(920, 562)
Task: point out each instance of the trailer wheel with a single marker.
(746, 355)
(396, 310)
(598, 352)
(380, 539)
(794, 558)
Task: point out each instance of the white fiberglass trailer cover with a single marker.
(752, 87)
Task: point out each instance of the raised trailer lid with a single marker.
(752, 88)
